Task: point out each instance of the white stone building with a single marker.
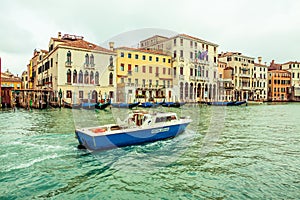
(82, 71)
(260, 81)
(194, 63)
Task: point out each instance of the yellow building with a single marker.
(10, 80)
(143, 75)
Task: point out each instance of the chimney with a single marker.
(59, 35)
(259, 59)
(111, 46)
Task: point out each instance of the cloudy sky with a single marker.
(267, 28)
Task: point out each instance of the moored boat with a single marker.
(239, 103)
(139, 127)
(102, 106)
(173, 104)
(88, 106)
(221, 103)
(125, 105)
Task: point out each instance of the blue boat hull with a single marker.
(125, 105)
(134, 137)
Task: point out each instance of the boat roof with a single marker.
(154, 113)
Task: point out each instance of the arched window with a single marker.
(86, 59)
(86, 77)
(69, 57)
(186, 90)
(191, 90)
(111, 79)
(181, 90)
(75, 76)
(92, 60)
(69, 76)
(80, 79)
(97, 78)
(92, 81)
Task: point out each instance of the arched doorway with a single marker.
(95, 96)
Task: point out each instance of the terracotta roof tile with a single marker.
(80, 43)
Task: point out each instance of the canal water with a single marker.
(248, 152)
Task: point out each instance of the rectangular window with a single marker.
(174, 71)
(191, 55)
(156, 83)
(164, 60)
(122, 54)
(169, 60)
(174, 54)
(80, 94)
(144, 83)
(144, 57)
(181, 53)
(206, 73)
(169, 71)
(129, 55)
(129, 67)
(191, 72)
(129, 80)
(164, 70)
(191, 44)
(181, 70)
(136, 81)
(157, 59)
(195, 44)
(122, 67)
(150, 69)
(181, 42)
(136, 56)
(150, 83)
(215, 74)
(156, 71)
(175, 42)
(144, 69)
(136, 68)
(150, 58)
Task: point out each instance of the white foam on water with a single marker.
(31, 163)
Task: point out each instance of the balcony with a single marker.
(192, 78)
(246, 88)
(181, 59)
(129, 72)
(181, 77)
(111, 68)
(156, 74)
(245, 75)
(68, 64)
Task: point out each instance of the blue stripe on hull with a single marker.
(125, 139)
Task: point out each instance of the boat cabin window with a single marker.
(165, 119)
(114, 128)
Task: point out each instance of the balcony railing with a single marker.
(245, 75)
(129, 72)
(68, 64)
(192, 78)
(181, 77)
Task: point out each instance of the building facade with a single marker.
(242, 71)
(279, 85)
(294, 69)
(260, 81)
(77, 70)
(143, 75)
(25, 80)
(194, 64)
(9, 82)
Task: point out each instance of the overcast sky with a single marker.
(267, 28)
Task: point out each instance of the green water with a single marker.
(226, 153)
